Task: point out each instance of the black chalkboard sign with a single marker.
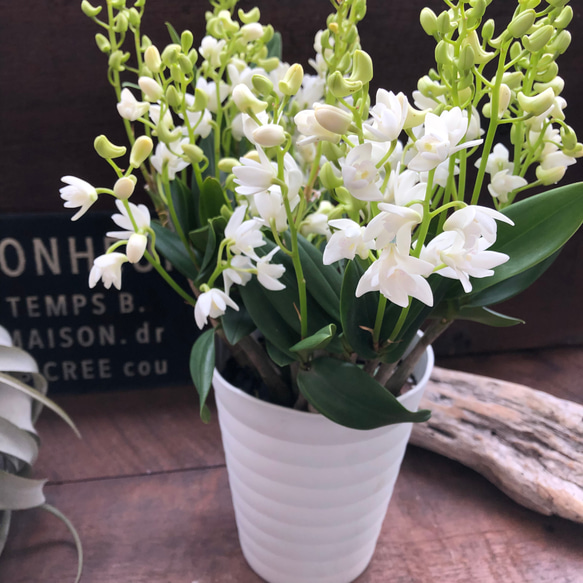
(88, 339)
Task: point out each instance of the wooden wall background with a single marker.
(54, 99)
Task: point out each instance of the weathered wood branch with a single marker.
(528, 443)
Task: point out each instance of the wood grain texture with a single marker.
(528, 443)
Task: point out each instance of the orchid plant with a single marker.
(320, 228)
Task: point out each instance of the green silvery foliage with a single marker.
(22, 397)
(333, 222)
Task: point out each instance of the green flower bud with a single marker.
(538, 39)
(214, 28)
(487, 111)
(576, 152)
(344, 63)
(146, 42)
(151, 89)
(170, 54)
(443, 53)
(488, 30)
(480, 56)
(226, 165)
(537, 104)
(262, 84)
(249, 17)
(557, 85)
(513, 80)
(139, 3)
(292, 80)
(560, 43)
(269, 64)
(557, 3)
(343, 196)
(564, 18)
(522, 23)
(229, 25)
(106, 149)
(193, 56)
(443, 24)
(124, 187)
(341, 87)
(474, 17)
(117, 59)
(332, 151)
(351, 36)
(268, 33)
(102, 43)
(359, 8)
(119, 4)
(362, 68)
(245, 100)
(551, 175)
(466, 58)
(328, 178)
(548, 74)
(90, 10)
(465, 95)
(173, 97)
(152, 59)
(164, 133)
(428, 20)
(177, 74)
(121, 23)
(185, 65)
(200, 100)
(568, 137)
(133, 17)
(141, 149)
(186, 40)
(415, 117)
(194, 153)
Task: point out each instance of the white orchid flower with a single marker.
(311, 130)
(211, 48)
(163, 156)
(461, 261)
(212, 303)
(129, 107)
(388, 116)
(78, 193)
(210, 89)
(270, 207)
(268, 274)
(238, 272)
(245, 236)
(199, 120)
(394, 224)
(107, 268)
(346, 242)
(441, 139)
(503, 183)
(475, 221)
(398, 277)
(498, 160)
(253, 177)
(140, 214)
(360, 174)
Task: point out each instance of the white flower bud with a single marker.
(332, 118)
(152, 59)
(136, 246)
(252, 32)
(152, 89)
(269, 135)
(504, 97)
(124, 187)
(141, 149)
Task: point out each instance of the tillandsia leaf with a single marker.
(347, 395)
(483, 315)
(5, 517)
(274, 46)
(510, 287)
(39, 396)
(17, 493)
(202, 365)
(17, 442)
(317, 341)
(237, 324)
(184, 205)
(543, 224)
(211, 200)
(56, 512)
(170, 245)
(358, 315)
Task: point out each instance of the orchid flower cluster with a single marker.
(334, 223)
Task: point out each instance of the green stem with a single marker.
(379, 319)
(188, 298)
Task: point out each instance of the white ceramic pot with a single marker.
(310, 496)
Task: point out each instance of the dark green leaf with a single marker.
(169, 244)
(358, 315)
(487, 317)
(280, 358)
(344, 393)
(510, 287)
(183, 205)
(208, 147)
(237, 324)
(274, 46)
(317, 341)
(212, 198)
(173, 34)
(202, 365)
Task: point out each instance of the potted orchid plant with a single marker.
(320, 227)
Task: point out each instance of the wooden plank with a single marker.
(445, 523)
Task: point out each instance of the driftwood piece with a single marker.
(528, 443)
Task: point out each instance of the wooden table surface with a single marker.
(147, 490)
